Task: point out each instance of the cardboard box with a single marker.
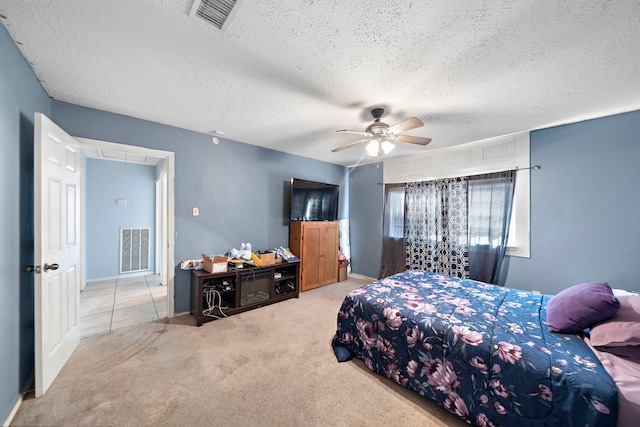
(217, 264)
(268, 258)
(342, 273)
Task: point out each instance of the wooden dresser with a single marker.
(316, 243)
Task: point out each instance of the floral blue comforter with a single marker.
(482, 351)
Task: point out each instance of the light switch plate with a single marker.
(196, 212)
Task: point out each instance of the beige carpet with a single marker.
(272, 366)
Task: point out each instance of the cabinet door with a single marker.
(311, 269)
(329, 253)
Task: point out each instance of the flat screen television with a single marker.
(313, 201)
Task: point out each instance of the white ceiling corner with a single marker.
(286, 75)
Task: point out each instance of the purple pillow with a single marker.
(580, 306)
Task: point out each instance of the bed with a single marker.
(483, 352)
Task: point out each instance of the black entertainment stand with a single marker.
(216, 295)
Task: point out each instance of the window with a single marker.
(395, 212)
(488, 208)
(486, 211)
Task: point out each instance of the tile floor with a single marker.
(111, 304)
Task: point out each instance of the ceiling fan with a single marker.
(380, 136)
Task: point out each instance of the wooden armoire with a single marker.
(316, 243)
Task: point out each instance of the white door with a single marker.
(57, 244)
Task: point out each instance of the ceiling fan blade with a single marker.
(351, 144)
(408, 124)
(413, 139)
(357, 132)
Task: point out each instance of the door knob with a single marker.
(51, 267)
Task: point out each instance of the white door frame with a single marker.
(161, 222)
(166, 167)
(158, 235)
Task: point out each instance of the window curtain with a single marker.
(393, 258)
(436, 226)
(490, 206)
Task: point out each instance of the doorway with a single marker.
(111, 304)
(157, 284)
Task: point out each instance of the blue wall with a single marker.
(366, 194)
(584, 206)
(241, 190)
(21, 95)
(106, 182)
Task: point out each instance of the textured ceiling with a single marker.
(287, 74)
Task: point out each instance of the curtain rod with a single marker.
(536, 167)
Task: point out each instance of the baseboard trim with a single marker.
(13, 413)
(121, 276)
(359, 276)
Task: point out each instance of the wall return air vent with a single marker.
(215, 12)
(134, 249)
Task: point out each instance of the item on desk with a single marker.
(191, 264)
(267, 258)
(236, 263)
(286, 254)
(243, 253)
(255, 259)
(216, 264)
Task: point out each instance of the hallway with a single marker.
(107, 305)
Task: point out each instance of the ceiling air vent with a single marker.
(214, 12)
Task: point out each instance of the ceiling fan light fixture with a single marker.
(387, 146)
(373, 148)
(376, 148)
